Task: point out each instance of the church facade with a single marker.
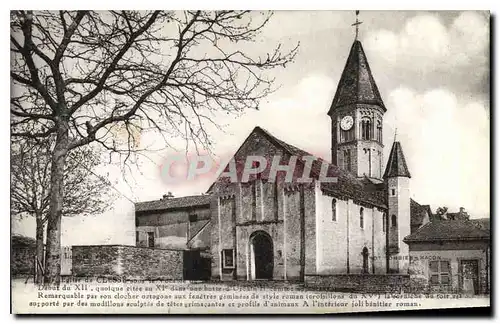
(273, 228)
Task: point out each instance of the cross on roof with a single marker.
(356, 24)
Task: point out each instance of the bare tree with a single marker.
(84, 191)
(80, 75)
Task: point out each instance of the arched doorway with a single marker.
(261, 256)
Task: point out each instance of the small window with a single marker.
(439, 272)
(379, 131)
(137, 240)
(151, 239)
(393, 192)
(347, 160)
(254, 200)
(334, 210)
(256, 165)
(361, 217)
(366, 129)
(193, 217)
(384, 222)
(228, 258)
(394, 221)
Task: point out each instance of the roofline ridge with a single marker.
(340, 79)
(427, 224)
(172, 198)
(375, 89)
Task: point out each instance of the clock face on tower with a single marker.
(346, 123)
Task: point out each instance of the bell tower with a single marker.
(357, 113)
(397, 181)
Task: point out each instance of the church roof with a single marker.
(357, 85)
(173, 203)
(347, 184)
(449, 230)
(396, 165)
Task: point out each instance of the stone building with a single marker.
(362, 231)
(279, 230)
(179, 223)
(273, 228)
(452, 255)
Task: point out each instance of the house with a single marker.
(181, 223)
(172, 243)
(452, 255)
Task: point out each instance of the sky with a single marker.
(432, 70)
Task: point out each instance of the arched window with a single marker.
(334, 209)
(384, 222)
(256, 165)
(253, 187)
(366, 129)
(361, 217)
(346, 135)
(347, 160)
(379, 131)
(365, 260)
(394, 221)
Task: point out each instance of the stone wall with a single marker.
(334, 245)
(127, 262)
(139, 263)
(96, 260)
(359, 283)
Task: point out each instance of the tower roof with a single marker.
(396, 165)
(356, 84)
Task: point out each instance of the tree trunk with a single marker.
(53, 254)
(39, 247)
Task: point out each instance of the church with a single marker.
(285, 230)
(277, 230)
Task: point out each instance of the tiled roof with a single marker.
(357, 85)
(484, 223)
(173, 203)
(457, 215)
(436, 217)
(347, 184)
(449, 230)
(396, 164)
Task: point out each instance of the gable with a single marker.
(419, 215)
(260, 142)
